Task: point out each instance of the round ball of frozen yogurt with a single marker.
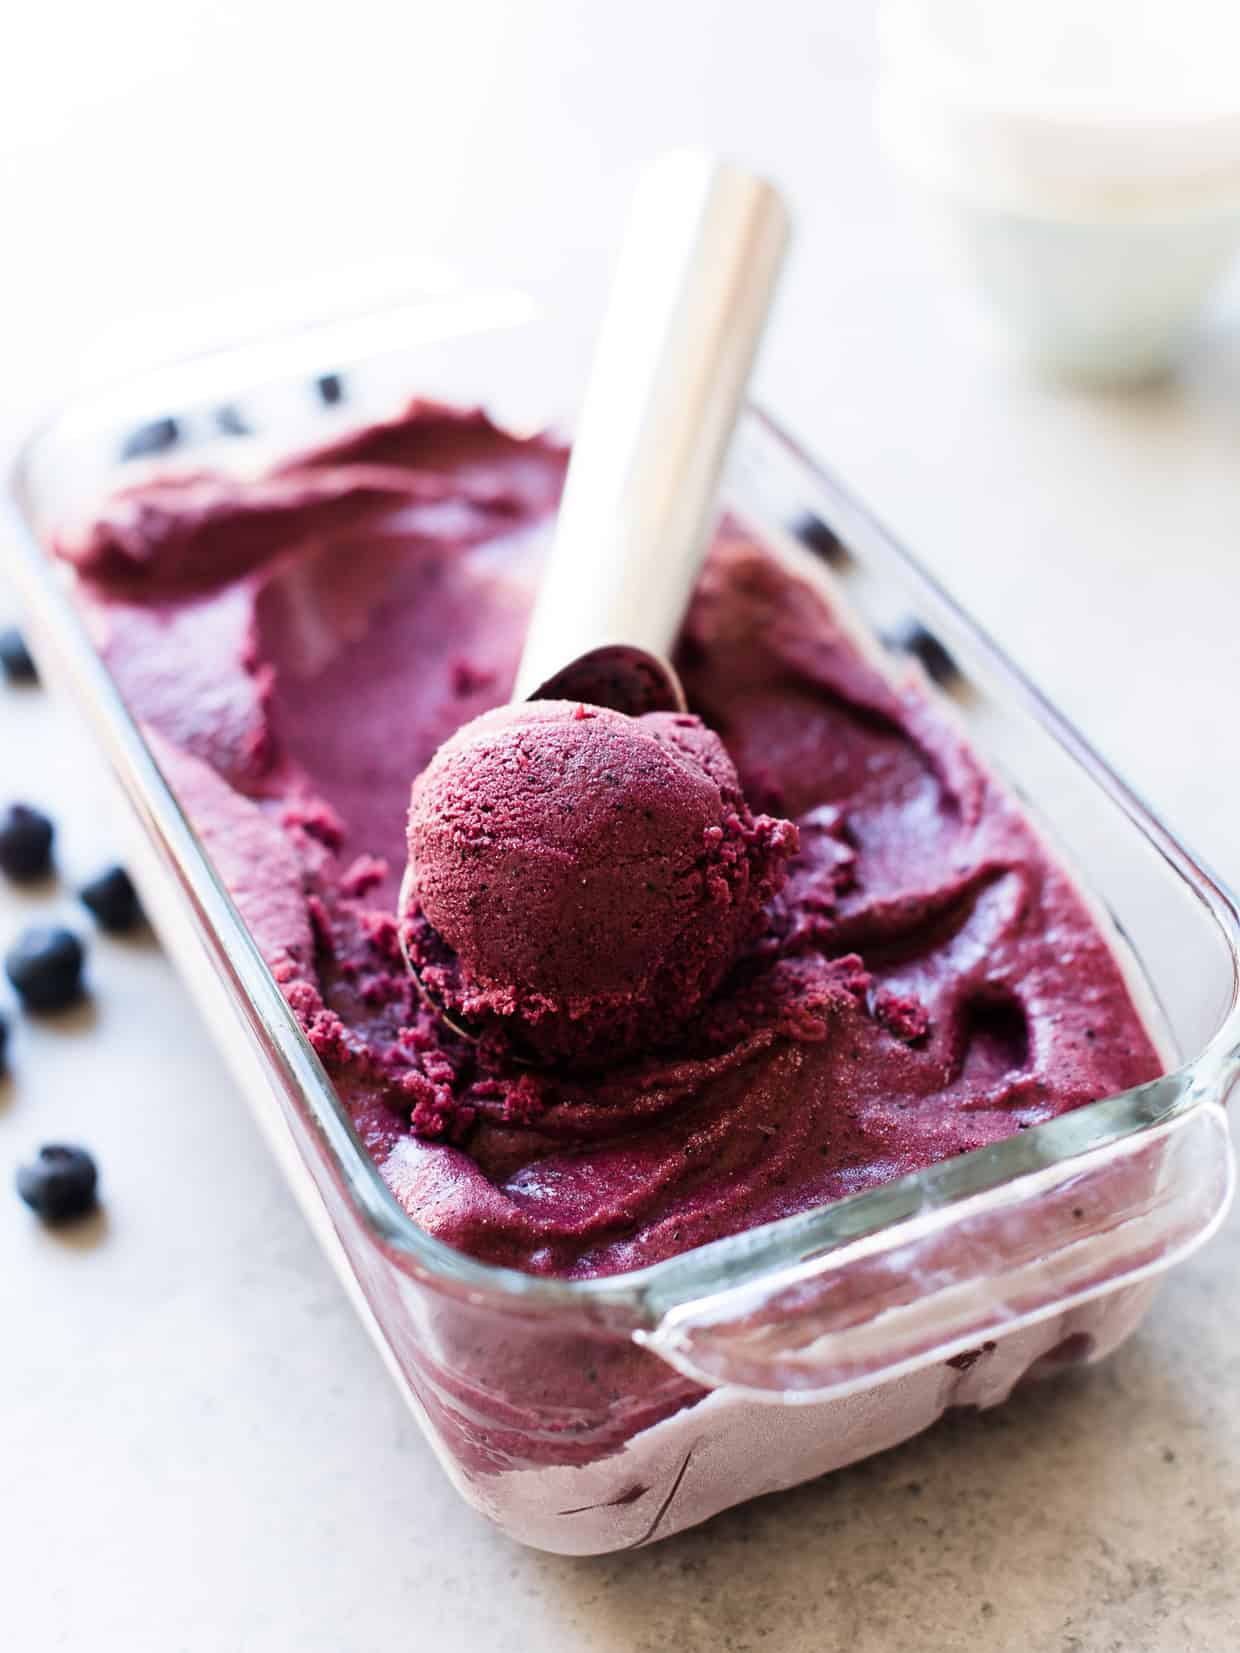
(582, 880)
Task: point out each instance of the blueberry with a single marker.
(45, 966)
(813, 532)
(4, 1043)
(113, 900)
(15, 660)
(155, 437)
(231, 421)
(915, 639)
(25, 842)
(330, 387)
(61, 1184)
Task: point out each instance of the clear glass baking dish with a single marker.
(602, 1414)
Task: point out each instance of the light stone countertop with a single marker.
(201, 1449)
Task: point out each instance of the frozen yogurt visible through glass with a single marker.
(723, 967)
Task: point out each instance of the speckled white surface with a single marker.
(201, 1451)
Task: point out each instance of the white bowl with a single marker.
(1108, 303)
(1085, 160)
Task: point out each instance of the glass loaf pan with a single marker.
(602, 1414)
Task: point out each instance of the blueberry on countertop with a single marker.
(15, 659)
(45, 967)
(113, 900)
(25, 842)
(915, 639)
(62, 1183)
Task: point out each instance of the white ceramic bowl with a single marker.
(1084, 160)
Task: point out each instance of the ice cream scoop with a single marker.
(690, 298)
(698, 269)
(580, 879)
